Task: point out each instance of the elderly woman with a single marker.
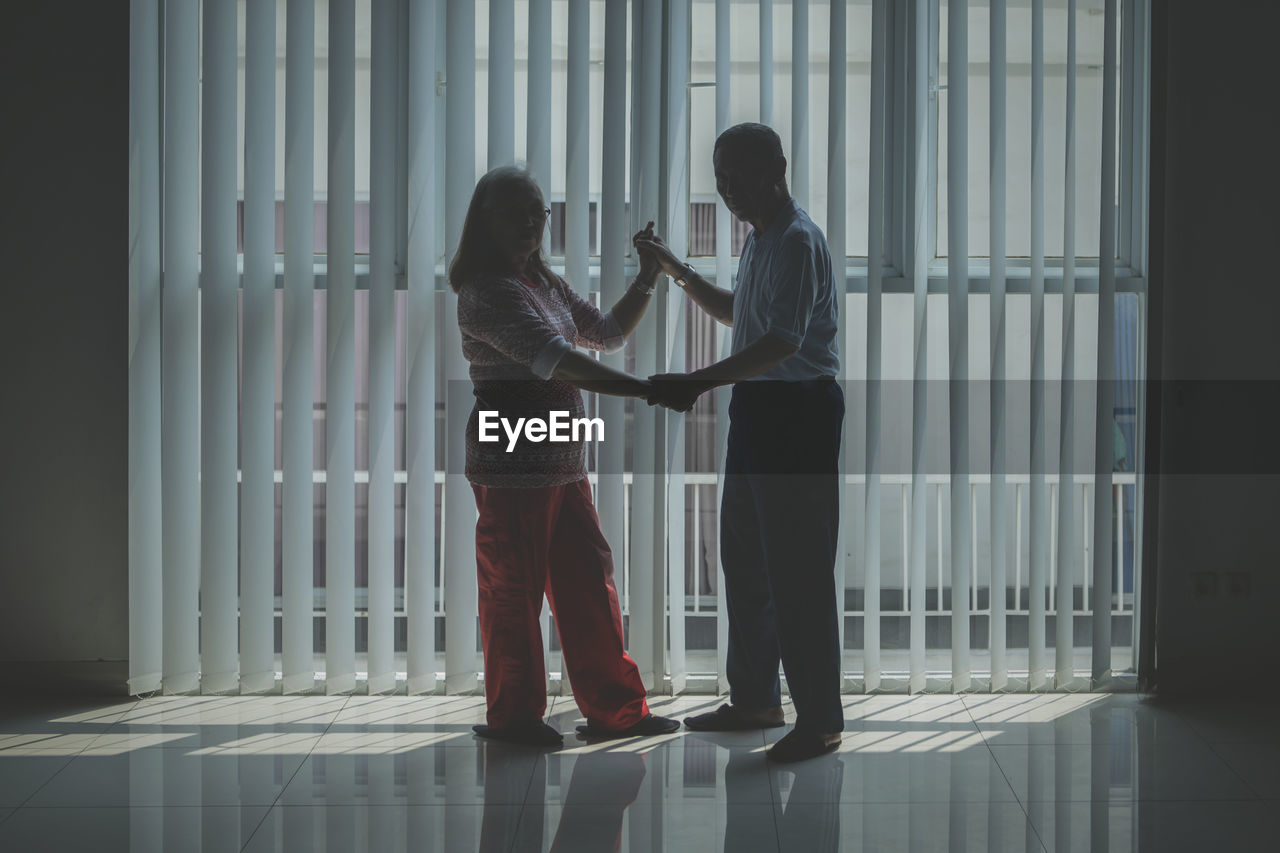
(538, 530)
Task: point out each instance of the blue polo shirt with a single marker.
(784, 286)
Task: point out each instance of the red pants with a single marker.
(548, 539)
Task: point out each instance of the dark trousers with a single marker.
(779, 520)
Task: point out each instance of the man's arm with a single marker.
(716, 301)
(680, 390)
(765, 352)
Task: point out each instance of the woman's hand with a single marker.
(649, 267)
(651, 245)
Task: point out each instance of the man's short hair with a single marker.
(759, 142)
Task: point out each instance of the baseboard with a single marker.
(65, 678)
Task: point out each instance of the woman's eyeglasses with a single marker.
(535, 214)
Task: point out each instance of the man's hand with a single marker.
(676, 391)
(651, 245)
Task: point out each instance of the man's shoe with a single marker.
(648, 725)
(799, 744)
(731, 718)
(535, 733)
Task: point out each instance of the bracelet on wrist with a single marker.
(682, 278)
(647, 291)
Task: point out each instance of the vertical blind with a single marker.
(299, 518)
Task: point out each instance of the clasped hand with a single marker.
(676, 391)
(654, 255)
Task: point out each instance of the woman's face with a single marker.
(517, 216)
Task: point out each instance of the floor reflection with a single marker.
(979, 773)
(809, 805)
(602, 785)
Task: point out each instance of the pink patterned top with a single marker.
(514, 332)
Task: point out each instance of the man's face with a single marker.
(742, 181)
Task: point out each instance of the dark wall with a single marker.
(1215, 342)
(64, 331)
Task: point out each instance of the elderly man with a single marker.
(780, 512)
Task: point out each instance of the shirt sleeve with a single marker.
(795, 291)
(596, 330)
(498, 313)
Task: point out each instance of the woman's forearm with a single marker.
(583, 371)
(631, 307)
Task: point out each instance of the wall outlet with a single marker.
(1204, 584)
(1238, 584)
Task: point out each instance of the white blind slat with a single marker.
(461, 668)
(723, 279)
(299, 339)
(922, 252)
(999, 501)
(538, 132)
(145, 513)
(610, 492)
(648, 504)
(1104, 436)
(257, 392)
(502, 82)
(339, 432)
(673, 355)
(219, 658)
(538, 142)
(420, 413)
(836, 187)
(958, 331)
(180, 335)
(766, 62)
(1064, 664)
(875, 354)
(800, 102)
(1038, 515)
(382, 340)
(577, 233)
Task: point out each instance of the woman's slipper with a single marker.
(647, 726)
(531, 734)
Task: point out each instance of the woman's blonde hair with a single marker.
(475, 256)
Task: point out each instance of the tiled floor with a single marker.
(1002, 773)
